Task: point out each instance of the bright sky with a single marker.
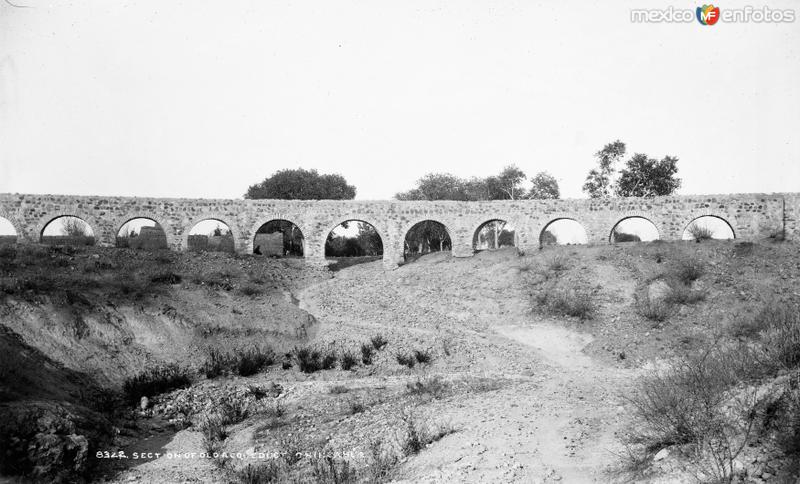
(203, 98)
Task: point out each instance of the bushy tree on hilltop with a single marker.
(642, 176)
(300, 184)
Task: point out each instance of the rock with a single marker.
(661, 455)
(144, 403)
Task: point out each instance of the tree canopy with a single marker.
(642, 176)
(300, 184)
(507, 185)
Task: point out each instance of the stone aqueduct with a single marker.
(749, 215)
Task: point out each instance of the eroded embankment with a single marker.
(76, 324)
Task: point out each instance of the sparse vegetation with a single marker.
(566, 301)
(422, 356)
(658, 310)
(251, 289)
(348, 360)
(686, 270)
(155, 381)
(711, 400)
(419, 434)
(700, 232)
(682, 294)
(241, 361)
(378, 342)
(434, 387)
(308, 360)
(367, 352)
(406, 360)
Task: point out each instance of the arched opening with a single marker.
(426, 237)
(279, 238)
(563, 231)
(354, 240)
(67, 230)
(210, 235)
(634, 229)
(8, 234)
(494, 234)
(708, 227)
(141, 233)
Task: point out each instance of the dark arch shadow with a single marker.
(67, 230)
(634, 228)
(142, 233)
(210, 235)
(279, 238)
(563, 231)
(353, 242)
(710, 228)
(425, 237)
(494, 234)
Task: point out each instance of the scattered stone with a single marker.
(661, 455)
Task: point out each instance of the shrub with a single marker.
(217, 363)
(406, 360)
(166, 278)
(383, 458)
(625, 237)
(653, 309)
(418, 434)
(254, 360)
(700, 232)
(557, 263)
(348, 361)
(686, 271)
(366, 353)
(271, 470)
(693, 403)
(327, 470)
(378, 342)
(569, 302)
(356, 406)
(338, 389)
(433, 386)
(244, 362)
(422, 357)
(781, 336)
(155, 381)
(308, 360)
(251, 290)
(329, 360)
(214, 432)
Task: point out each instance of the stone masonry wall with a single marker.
(749, 215)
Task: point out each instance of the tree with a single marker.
(648, 177)
(436, 186)
(74, 227)
(544, 185)
(300, 184)
(599, 181)
(509, 182)
(427, 236)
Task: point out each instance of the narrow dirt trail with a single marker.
(577, 422)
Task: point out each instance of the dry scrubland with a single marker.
(656, 362)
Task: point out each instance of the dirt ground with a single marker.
(526, 403)
(521, 394)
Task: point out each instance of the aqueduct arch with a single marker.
(749, 215)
